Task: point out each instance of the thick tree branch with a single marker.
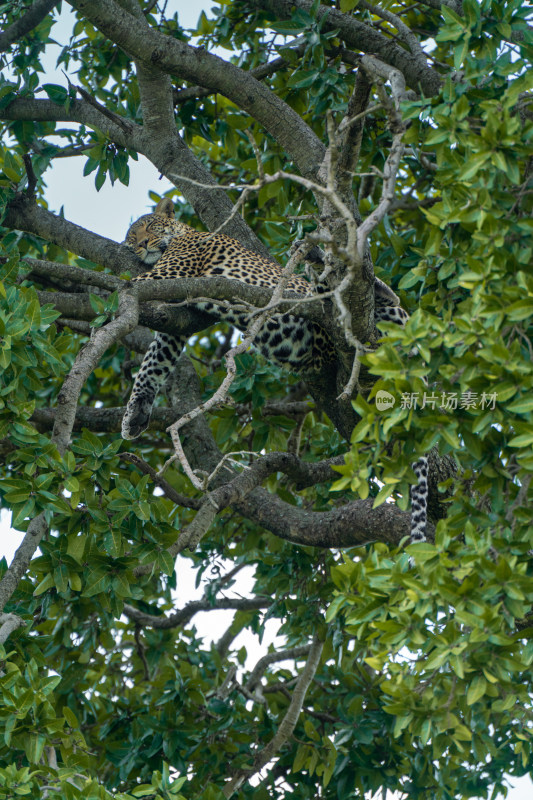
(109, 420)
(25, 215)
(238, 489)
(456, 5)
(21, 560)
(8, 624)
(404, 32)
(350, 132)
(260, 72)
(175, 161)
(241, 296)
(183, 320)
(124, 133)
(350, 525)
(360, 36)
(67, 272)
(199, 66)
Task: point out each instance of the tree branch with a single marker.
(21, 560)
(352, 524)
(287, 724)
(146, 469)
(260, 72)
(237, 489)
(184, 615)
(86, 277)
(404, 32)
(8, 624)
(363, 37)
(80, 111)
(350, 131)
(455, 5)
(176, 162)
(108, 420)
(18, 29)
(271, 658)
(25, 215)
(199, 66)
(84, 363)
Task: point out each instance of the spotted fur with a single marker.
(175, 250)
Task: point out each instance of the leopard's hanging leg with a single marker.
(160, 360)
(419, 492)
(419, 501)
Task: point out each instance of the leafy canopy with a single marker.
(424, 681)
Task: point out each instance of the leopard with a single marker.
(173, 249)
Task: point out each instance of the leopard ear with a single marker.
(165, 208)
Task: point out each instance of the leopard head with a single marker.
(149, 236)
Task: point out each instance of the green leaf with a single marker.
(476, 690)
(524, 440)
(474, 164)
(288, 27)
(46, 584)
(61, 575)
(33, 746)
(96, 583)
(165, 562)
(22, 512)
(144, 790)
(383, 494)
(57, 94)
(70, 717)
(521, 406)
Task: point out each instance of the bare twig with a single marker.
(169, 491)
(404, 32)
(347, 122)
(115, 118)
(208, 511)
(348, 390)
(184, 615)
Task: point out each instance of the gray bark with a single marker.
(360, 36)
(210, 71)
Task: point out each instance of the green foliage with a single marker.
(424, 686)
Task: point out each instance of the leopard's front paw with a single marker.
(137, 417)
